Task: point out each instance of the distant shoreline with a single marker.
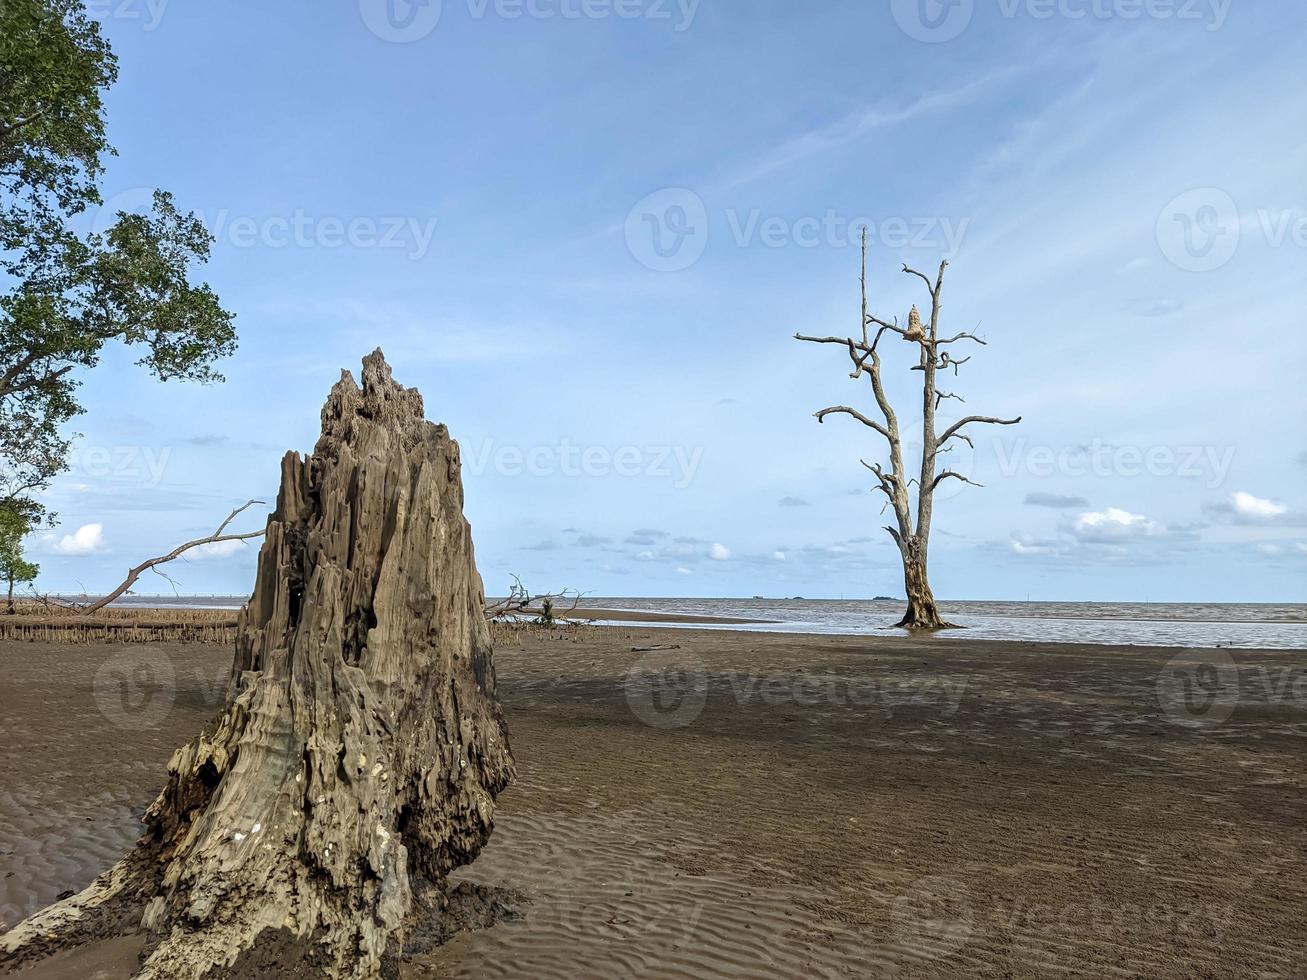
(1233, 625)
(1086, 610)
(239, 600)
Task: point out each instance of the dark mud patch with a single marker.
(468, 907)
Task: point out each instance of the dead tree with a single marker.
(521, 602)
(912, 538)
(361, 749)
(152, 564)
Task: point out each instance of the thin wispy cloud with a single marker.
(859, 124)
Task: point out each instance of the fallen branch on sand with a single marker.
(521, 602)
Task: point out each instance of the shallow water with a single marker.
(1243, 625)
(1269, 626)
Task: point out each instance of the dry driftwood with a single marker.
(522, 602)
(361, 749)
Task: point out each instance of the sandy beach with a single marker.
(750, 804)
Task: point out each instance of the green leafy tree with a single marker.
(546, 612)
(14, 568)
(63, 296)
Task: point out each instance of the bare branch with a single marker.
(953, 429)
(941, 395)
(946, 362)
(888, 481)
(876, 468)
(860, 363)
(957, 476)
(862, 281)
(883, 327)
(216, 537)
(831, 340)
(961, 336)
(170, 580)
(846, 410)
(233, 515)
(930, 287)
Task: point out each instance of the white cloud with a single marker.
(778, 555)
(1248, 509)
(1257, 508)
(1113, 535)
(719, 552)
(683, 571)
(86, 540)
(1112, 525)
(1024, 544)
(217, 550)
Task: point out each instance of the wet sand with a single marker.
(754, 805)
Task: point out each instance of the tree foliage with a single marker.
(14, 566)
(64, 296)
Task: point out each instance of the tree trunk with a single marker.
(922, 613)
(10, 608)
(361, 749)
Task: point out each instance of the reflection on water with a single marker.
(1245, 625)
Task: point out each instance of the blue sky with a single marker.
(475, 187)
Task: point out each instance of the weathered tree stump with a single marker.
(361, 748)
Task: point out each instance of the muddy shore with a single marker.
(754, 804)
